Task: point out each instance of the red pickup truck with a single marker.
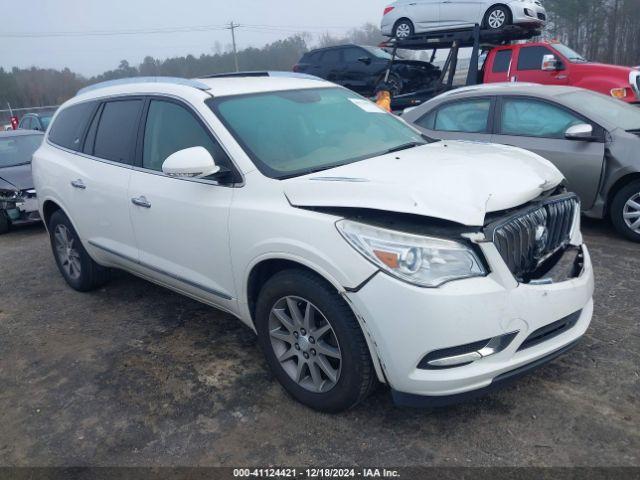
(552, 63)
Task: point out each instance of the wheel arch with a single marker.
(617, 186)
(395, 24)
(265, 268)
(262, 270)
(49, 207)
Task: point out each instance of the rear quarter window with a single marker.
(70, 124)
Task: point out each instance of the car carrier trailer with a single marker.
(475, 37)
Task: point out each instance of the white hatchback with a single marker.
(405, 18)
(358, 250)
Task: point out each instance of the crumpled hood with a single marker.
(18, 176)
(453, 180)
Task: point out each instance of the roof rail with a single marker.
(131, 80)
(260, 73)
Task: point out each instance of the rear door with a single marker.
(92, 189)
(468, 119)
(331, 65)
(499, 68)
(100, 181)
(424, 14)
(540, 126)
(529, 67)
(181, 224)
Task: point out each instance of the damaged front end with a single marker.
(20, 206)
(540, 243)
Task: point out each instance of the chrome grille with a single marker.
(526, 239)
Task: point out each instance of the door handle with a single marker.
(141, 202)
(78, 184)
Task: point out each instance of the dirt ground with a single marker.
(136, 375)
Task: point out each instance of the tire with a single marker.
(5, 224)
(626, 203)
(497, 17)
(394, 83)
(76, 266)
(350, 379)
(403, 29)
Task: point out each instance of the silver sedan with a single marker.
(592, 139)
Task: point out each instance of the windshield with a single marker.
(571, 55)
(595, 105)
(296, 132)
(17, 150)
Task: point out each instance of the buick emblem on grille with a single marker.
(542, 238)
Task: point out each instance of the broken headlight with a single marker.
(416, 259)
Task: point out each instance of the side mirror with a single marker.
(365, 60)
(550, 63)
(194, 162)
(582, 131)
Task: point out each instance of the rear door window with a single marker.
(470, 116)
(69, 126)
(117, 131)
(502, 61)
(331, 56)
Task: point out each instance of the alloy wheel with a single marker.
(631, 213)
(66, 251)
(497, 19)
(305, 344)
(403, 30)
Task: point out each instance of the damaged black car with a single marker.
(18, 201)
(362, 68)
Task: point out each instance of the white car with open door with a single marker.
(405, 18)
(358, 250)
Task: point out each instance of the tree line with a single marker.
(602, 30)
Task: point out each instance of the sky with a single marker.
(91, 36)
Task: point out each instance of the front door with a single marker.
(460, 13)
(529, 67)
(181, 225)
(540, 126)
(358, 69)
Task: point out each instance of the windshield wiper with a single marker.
(404, 146)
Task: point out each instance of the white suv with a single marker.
(358, 250)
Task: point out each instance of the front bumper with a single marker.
(528, 13)
(405, 323)
(24, 209)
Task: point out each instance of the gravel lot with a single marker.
(136, 375)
